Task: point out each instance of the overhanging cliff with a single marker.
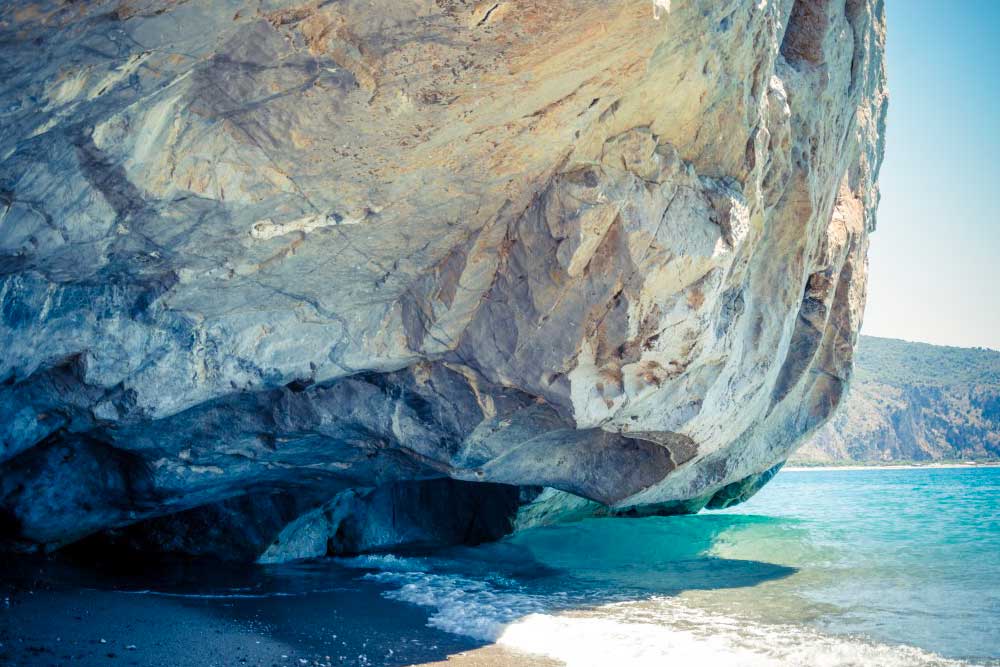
(612, 248)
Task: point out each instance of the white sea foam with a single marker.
(657, 632)
(463, 606)
(384, 562)
(651, 632)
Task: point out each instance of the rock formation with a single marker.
(613, 248)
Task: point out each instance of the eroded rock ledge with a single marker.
(287, 269)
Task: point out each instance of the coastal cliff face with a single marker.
(914, 402)
(255, 256)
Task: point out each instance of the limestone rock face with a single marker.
(611, 247)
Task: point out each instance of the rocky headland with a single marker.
(913, 403)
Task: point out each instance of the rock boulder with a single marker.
(615, 248)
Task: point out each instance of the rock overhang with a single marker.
(336, 246)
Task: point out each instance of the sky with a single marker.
(933, 261)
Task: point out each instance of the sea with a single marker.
(822, 568)
(826, 568)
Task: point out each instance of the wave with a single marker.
(661, 631)
(384, 562)
(648, 632)
(463, 606)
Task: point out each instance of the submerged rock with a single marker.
(608, 248)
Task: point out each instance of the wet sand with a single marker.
(47, 620)
(494, 656)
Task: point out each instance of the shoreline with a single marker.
(891, 466)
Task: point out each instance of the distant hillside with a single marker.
(914, 402)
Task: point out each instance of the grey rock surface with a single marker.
(613, 248)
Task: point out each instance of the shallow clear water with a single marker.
(842, 567)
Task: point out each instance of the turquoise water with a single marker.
(841, 567)
(907, 555)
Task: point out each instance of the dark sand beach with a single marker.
(54, 613)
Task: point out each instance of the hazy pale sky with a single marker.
(934, 258)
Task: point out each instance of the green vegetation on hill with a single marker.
(900, 362)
